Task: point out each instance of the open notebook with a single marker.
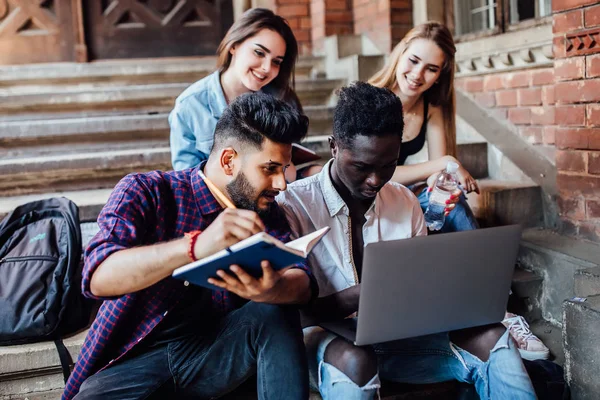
(248, 254)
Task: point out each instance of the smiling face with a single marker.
(364, 166)
(260, 176)
(419, 67)
(256, 61)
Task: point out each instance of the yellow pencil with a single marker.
(215, 191)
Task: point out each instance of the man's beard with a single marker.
(242, 193)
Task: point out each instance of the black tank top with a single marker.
(415, 145)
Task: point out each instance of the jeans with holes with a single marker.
(460, 219)
(256, 340)
(420, 360)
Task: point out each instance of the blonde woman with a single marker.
(420, 71)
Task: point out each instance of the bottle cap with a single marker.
(452, 167)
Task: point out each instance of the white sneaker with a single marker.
(529, 345)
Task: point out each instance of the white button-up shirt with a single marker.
(313, 203)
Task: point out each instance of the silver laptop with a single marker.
(430, 284)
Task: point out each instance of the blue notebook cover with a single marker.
(248, 254)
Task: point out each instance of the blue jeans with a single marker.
(460, 219)
(425, 359)
(260, 339)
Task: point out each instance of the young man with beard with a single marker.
(353, 196)
(155, 336)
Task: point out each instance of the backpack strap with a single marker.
(66, 361)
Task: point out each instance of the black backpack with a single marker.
(40, 275)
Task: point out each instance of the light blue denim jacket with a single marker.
(193, 121)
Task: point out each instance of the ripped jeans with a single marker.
(425, 359)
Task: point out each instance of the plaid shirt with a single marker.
(144, 209)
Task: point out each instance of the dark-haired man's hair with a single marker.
(365, 110)
(252, 117)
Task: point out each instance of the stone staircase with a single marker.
(75, 130)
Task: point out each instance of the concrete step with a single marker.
(526, 291)
(587, 282)
(132, 71)
(557, 259)
(32, 368)
(495, 205)
(93, 170)
(581, 333)
(105, 129)
(132, 97)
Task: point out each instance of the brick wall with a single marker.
(330, 17)
(577, 92)
(385, 22)
(525, 98)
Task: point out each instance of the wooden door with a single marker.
(36, 31)
(155, 28)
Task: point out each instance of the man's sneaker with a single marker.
(530, 346)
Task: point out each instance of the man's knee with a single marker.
(480, 340)
(359, 364)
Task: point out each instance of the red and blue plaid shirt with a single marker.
(144, 209)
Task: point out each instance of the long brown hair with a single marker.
(248, 25)
(440, 94)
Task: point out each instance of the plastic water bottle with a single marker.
(445, 184)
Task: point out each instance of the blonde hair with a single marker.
(440, 94)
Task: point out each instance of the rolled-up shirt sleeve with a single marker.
(121, 222)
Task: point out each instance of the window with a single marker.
(483, 17)
(522, 10)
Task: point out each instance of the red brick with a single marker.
(492, 82)
(542, 115)
(338, 17)
(594, 163)
(519, 116)
(486, 99)
(562, 5)
(506, 98)
(530, 97)
(305, 23)
(569, 160)
(474, 85)
(517, 79)
(569, 69)
(593, 115)
(558, 47)
(592, 66)
(578, 92)
(336, 5)
(293, 10)
(570, 115)
(549, 135)
(406, 4)
(542, 77)
(578, 184)
(571, 207)
(592, 208)
(302, 35)
(592, 16)
(548, 95)
(294, 23)
(567, 21)
(578, 138)
(533, 134)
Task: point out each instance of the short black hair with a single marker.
(254, 116)
(363, 109)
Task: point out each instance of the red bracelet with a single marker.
(192, 236)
